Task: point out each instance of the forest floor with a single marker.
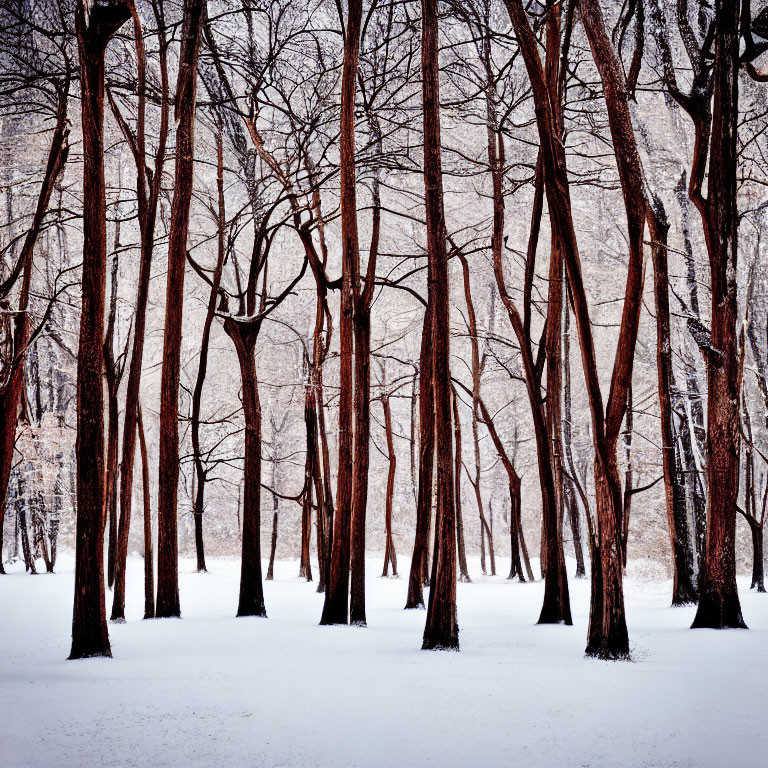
(213, 690)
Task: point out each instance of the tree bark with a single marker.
(390, 556)
(168, 474)
(442, 629)
(336, 605)
(719, 606)
(90, 636)
(149, 571)
(147, 195)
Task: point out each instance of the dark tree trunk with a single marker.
(463, 571)
(147, 194)
(149, 571)
(89, 622)
(251, 601)
(202, 368)
(567, 439)
(442, 628)
(390, 556)
(336, 605)
(418, 571)
(684, 586)
(719, 606)
(167, 604)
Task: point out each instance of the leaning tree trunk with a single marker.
(442, 628)
(11, 393)
(89, 622)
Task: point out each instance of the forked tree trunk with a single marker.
(442, 628)
(168, 474)
(89, 622)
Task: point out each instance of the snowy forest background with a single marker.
(298, 103)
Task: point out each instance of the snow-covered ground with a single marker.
(213, 690)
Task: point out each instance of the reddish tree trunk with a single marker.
(463, 571)
(89, 622)
(719, 605)
(442, 628)
(390, 556)
(418, 571)
(168, 474)
(335, 607)
(12, 387)
(147, 194)
(251, 601)
(149, 571)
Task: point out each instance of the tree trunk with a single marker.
(168, 474)
(390, 556)
(149, 571)
(11, 392)
(89, 622)
(202, 367)
(463, 572)
(147, 193)
(684, 587)
(418, 571)
(442, 629)
(336, 605)
(251, 601)
(719, 606)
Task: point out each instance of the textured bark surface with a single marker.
(719, 605)
(336, 605)
(89, 622)
(442, 628)
(167, 604)
(147, 196)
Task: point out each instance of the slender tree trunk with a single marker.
(418, 571)
(89, 622)
(684, 587)
(571, 502)
(390, 556)
(202, 367)
(168, 475)
(442, 628)
(463, 571)
(147, 193)
(149, 571)
(112, 379)
(11, 392)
